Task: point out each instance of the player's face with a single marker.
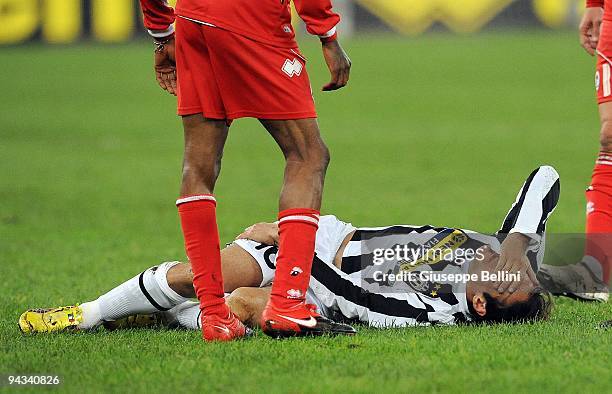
(488, 263)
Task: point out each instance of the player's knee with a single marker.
(202, 172)
(325, 157)
(180, 279)
(605, 138)
(320, 157)
(316, 158)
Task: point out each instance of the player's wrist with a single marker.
(330, 36)
(327, 40)
(165, 40)
(162, 35)
(160, 44)
(595, 3)
(516, 244)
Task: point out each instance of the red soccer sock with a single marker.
(199, 223)
(599, 214)
(297, 233)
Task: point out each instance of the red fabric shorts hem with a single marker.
(248, 114)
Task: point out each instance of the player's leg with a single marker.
(240, 269)
(587, 279)
(204, 141)
(205, 127)
(598, 252)
(147, 292)
(163, 287)
(158, 289)
(247, 303)
(306, 158)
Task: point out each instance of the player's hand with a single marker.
(265, 233)
(513, 259)
(165, 67)
(590, 28)
(339, 65)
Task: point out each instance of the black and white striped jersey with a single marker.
(368, 290)
(360, 291)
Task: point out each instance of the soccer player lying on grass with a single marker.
(348, 279)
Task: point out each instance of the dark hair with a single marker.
(537, 307)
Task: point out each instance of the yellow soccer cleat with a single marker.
(50, 320)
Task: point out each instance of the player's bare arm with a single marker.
(265, 233)
(159, 20)
(590, 28)
(338, 63)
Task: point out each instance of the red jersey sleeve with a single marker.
(319, 17)
(595, 3)
(158, 17)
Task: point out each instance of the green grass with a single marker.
(438, 130)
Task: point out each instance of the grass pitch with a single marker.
(439, 130)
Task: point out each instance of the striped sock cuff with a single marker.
(604, 158)
(199, 197)
(301, 215)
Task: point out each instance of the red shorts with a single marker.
(228, 76)
(604, 66)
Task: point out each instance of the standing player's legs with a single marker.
(271, 84)
(205, 127)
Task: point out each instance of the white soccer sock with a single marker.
(92, 317)
(145, 293)
(187, 315)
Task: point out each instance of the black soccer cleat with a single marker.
(300, 322)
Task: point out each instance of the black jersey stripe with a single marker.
(549, 203)
(374, 302)
(364, 234)
(148, 296)
(352, 264)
